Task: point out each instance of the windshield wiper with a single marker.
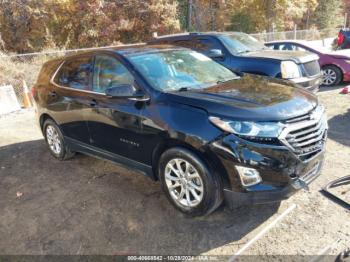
(183, 89)
(245, 51)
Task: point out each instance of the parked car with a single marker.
(335, 65)
(181, 118)
(343, 39)
(242, 53)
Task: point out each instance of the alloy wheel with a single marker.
(184, 183)
(329, 76)
(53, 139)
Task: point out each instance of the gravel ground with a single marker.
(90, 206)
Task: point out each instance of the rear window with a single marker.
(75, 73)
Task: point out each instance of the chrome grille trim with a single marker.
(312, 173)
(312, 68)
(306, 137)
(298, 119)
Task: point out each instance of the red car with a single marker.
(335, 65)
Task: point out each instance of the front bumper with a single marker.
(311, 84)
(346, 76)
(281, 171)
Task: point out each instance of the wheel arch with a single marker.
(208, 157)
(43, 118)
(334, 65)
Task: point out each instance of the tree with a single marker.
(27, 25)
(268, 14)
(22, 26)
(328, 14)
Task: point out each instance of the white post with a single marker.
(189, 15)
(345, 19)
(295, 31)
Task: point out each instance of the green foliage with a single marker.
(27, 25)
(328, 14)
(242, 22)
(33, 25)
(183, 13)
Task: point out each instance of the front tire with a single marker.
(332, 75)
(188, 182)
(55, 141)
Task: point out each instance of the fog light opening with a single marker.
(248, 176)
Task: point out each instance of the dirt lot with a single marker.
(89, 206)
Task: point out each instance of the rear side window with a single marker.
(204, 45)
(186, 43)
(75, 73)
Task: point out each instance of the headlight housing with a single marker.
(249, 129)
(290, 70)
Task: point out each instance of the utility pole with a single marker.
(189, 15)
(345, 19)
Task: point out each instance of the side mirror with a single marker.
(125, 91)
(215, 53)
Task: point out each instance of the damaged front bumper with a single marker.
(281, 171)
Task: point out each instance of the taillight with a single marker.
(340, 39)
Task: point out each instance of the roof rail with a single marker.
(178, 34)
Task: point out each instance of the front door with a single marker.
(114, 123)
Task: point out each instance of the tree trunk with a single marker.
(270, 14)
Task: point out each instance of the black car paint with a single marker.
(135, 133)
(264, 62)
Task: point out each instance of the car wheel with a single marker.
(332, 75)
(188, 182)
(55, 141)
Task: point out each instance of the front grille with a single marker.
(312, 68)
(306, 135)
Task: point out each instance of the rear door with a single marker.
(114, 123)
(68, 97)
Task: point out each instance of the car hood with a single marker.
(254, 98)
(298, 57)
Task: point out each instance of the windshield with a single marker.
(180, 69)
(238, 43)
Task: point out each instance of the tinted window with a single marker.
(109, 72)
(205, 45)
(186, 43)
(289, 47)
(241, 43)
(75, 73)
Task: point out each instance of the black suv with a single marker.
(243, 53)
(180, 117)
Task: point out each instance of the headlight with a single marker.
(252, 129)
(289, 70)
(347, 61)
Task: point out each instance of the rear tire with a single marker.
(189, 184)
(55, 141)
(332, 75)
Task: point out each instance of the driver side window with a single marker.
(109, 72)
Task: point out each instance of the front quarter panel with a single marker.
(162, 121)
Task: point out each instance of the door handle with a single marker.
(93, 102)
(52, 93)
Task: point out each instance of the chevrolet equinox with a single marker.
(177, 116)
